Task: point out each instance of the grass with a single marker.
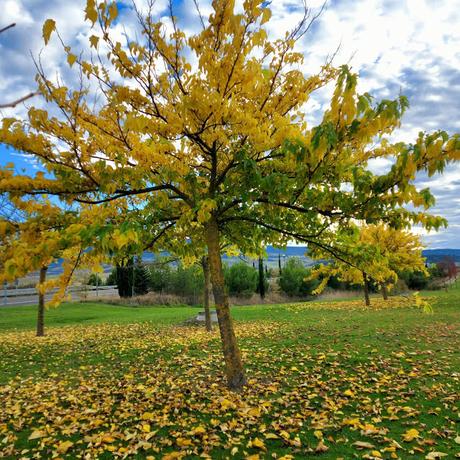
(124, 382)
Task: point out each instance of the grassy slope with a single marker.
(302, 361)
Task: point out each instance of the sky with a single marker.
(396, 46)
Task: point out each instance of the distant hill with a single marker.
(435, 255)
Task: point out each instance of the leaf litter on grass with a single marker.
(140, 391)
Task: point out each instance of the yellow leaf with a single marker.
(348, 393)
(199, 430)
(321, 447)
(266, 15)
(71, 58)
(94, 41)
(48, 28)
(256, 442)
(147, 416)
(318, 434)
(183, 442)
(90, 11)
(363, 445)
(64, 446)
(172, 456)
(435, 455)
(146, 428)
(37, 434)
(410, 435)
(113, 11)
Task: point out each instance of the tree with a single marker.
(375, 253)
(125, 277)
(206, 292)
(448, 268)
(241, 279)
(141, 278)
(32, 235)
(261, 282)
(294, 279)
(218, 152)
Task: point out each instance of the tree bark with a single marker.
(366, 290)
(41, 305)
(207, 292)
(384, 292)
(261, 278)
(236, 378)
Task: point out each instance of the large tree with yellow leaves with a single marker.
(205, 136)
(371, 253)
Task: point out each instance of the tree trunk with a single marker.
(261, 279)
(384, 292)
(236, 378)
(41, 305)
(366, 290)
(207, 292)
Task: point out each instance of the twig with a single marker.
(18, 101)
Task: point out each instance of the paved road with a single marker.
(9, 298)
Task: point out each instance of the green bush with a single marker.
(241, 279)
(293, 280)
(179, 280)
(141, 280)
(415, 280)
(94, 280)
(112, 278)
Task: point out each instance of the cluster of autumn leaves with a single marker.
(196, 144)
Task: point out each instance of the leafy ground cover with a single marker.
(327, 379)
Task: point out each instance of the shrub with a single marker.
(94, 280)
(179, 280)
(241, 279)
(112, 278)
(141, 280)
(293, 280)
(415, 280)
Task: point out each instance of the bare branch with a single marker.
(7, 27)
(18, 101)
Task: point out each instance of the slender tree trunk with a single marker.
(384, 291)
(41, 305)
(261, 278)
(207, 292)
(236, 378)
(366, 290)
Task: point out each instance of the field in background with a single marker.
(327, 379)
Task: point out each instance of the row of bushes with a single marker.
(241, 279)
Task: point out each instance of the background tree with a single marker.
(294, 279)
(261, 279)
(448, 268)
(241, 279)
(33, 234)
(205, 135)
(375, 253)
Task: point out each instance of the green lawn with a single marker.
(329, 380)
